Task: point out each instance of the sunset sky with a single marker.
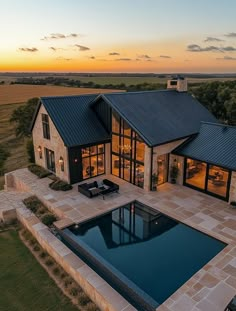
(118, 35)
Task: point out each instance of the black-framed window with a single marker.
(212, 179)
(50, 160)
(46, 128)
(93, 161)
(127, 152)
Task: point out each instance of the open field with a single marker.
(24, 284)
(128, 80)
(16, 146)
(18, 93)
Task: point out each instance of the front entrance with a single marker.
(162, 169)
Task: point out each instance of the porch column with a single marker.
(147, 168)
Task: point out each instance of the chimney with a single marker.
(178, 83)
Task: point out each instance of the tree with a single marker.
(23, 116)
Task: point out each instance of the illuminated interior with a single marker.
(127, 152)
(93, 161)
(209, 178)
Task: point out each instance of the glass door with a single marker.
(162, 168)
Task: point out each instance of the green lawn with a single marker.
(24, 284)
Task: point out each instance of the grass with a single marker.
(24, 284)
(15, 146)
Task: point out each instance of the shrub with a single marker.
(91, 307)
(48, 219)
(30, 150)
(83, 299)
(49, 262)
(32, 241)
(74, 291)
(63, 275)
(68, 281)
(60, 185)
(36, 248)
(43, 254)
(32, 203)
(38, 170)
(56, 271)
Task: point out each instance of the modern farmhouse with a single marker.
(144, 138)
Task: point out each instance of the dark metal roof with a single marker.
(76, 123)
(215, 144)
(160, 116)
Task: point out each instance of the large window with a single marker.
(209, 178)
(50, 160)
(93, 161)
(46, 129)
(127, 152)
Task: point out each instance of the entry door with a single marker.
(162, 168)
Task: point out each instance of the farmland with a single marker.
(17, 93)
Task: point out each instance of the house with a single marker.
(135, 136)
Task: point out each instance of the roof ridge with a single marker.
(139, 92)
(218, 124)
(66, 96)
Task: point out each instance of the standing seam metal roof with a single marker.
(215, 144)
(76, 123)
(160, 116)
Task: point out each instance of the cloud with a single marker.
(198, 48)
(226, 58)
(54, 49)
(63, 59)
(60, 36)
(213, 39)
(123, 59)
(82, 48)
(114, 53)
(231, 35)
(144, 56)
(165, 56)
(229, 49)
(211, 48)
(31, 50)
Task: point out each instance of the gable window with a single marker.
(50, 160)
(46, 129)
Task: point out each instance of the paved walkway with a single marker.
(212, 287)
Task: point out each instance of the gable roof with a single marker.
(215, 144)
(160, 116)
(76, 123)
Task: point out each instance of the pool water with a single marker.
(144, 249)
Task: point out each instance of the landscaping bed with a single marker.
(24, 284)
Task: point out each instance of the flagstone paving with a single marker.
(212, 287)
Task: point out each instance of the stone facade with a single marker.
(55, 144)
(232, 193)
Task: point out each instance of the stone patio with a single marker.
(211, 288)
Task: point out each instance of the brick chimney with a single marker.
(178, 83)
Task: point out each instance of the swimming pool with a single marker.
(144, 254)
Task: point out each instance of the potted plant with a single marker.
(174, 172)
(154, 181)
(233, 204)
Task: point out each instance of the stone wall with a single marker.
(147, 168)
(232, 194)
(55, 144)
(104, 296)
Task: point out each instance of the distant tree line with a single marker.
(218, 97)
